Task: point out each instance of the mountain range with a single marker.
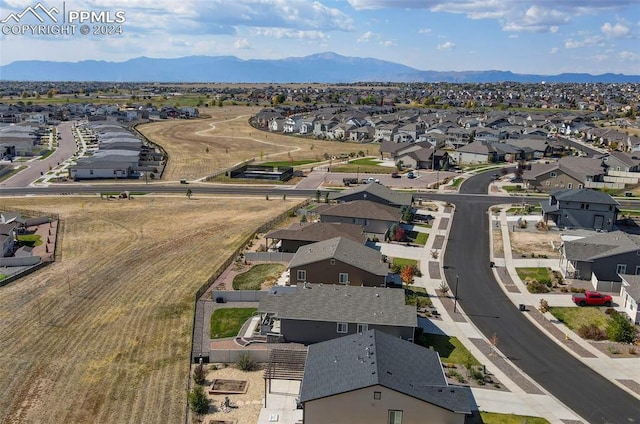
(321, 68)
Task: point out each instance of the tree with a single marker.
(199, 374)
(198, 400)
(620, 329)
(407, 213)
(406, 274)
(189, 193)
(399, 233)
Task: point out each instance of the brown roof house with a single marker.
(568, 172)
(375, 218)
(302, 234)
(373, 192)
(371, 377)
(312, 313)
(338, 261)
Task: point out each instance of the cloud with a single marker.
(388, 43)
(448, 45)
(554, 50)
(614, 31)
(513, 15)
(424, 31)
(288, 33)
(627, 55)
(594, 40)
(241, 43)
(365, 38)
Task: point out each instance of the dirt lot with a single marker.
(103, 334)
(531, 241)
(199, 147)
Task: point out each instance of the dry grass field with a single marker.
(199, 147)
(527, 242)
(103, 335)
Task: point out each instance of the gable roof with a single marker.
(343, 250)
(377, 190)
(583, 195)
(341, 303)
(371, 358)
(601, 245)
(362, 209)
(633, 285)
(318, 231)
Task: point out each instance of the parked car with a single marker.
(349, 181)
(395, 175)
(591, 298)
(411, 175)
(515, 180)
(372, 180)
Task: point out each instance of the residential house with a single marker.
(373, 192)
(361, 134)
(292, 124)
(475, 153)
(581, 208)
(301, 234)
(276, 124)
(7, 237)
(372, 377)
(601, 258)
(621, 161)
(105, 164)
(533, 148)
(630, 294)
(376, 218)
(313, 313)
(385, 132)
(489, 135)
(338, 260)
(567, 172)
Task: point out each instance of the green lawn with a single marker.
(2, 277)
(366, 161)
(575, 318)
(449, 348)
(457, 181)
(29, 240)
(228, 322)
(288, 163)
(495, 418)
(513, 188)
(351, 167)
(417, 296)
(421, 238)
(539, 274)
(258, 274)
(424, 225)
(401, 262)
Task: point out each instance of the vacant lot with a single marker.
(199, 147)
(103, 335)
(527, 242)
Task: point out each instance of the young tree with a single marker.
(189, 193)
(407, 274)
(199, 374)
(399, 233)
(198, 400)
(620, 329)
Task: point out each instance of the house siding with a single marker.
(605, 268)
(586, 215)
(359, 406)
(562, 180)
(327, 273)
(308, 332)
(372, 226)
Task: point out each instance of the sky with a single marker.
(545, 37)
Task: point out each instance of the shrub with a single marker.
(591, 332)
(537, 287)
(544, 306)
(198, 400)
(199, 374)
(620, 329)
(246, 363)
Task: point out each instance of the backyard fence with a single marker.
(268, 256)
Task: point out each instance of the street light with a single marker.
(455, 295)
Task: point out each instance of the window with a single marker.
(377, 395)
(301, 275)
(395, 417)
(343, 278)
(342, 327)
(621, 269)
(362, 328)
(332, 261)
(547, 183)
(91, 172)
(553, 174)
(580, 186)
(569, 185)
(637, 270)
(114, 172)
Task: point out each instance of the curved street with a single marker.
(576, 385)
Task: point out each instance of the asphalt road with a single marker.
(583, 390)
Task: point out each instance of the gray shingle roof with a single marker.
(344, 250)
(338, 303)
(634, 285)
(375, 358)
(377, 190)
(601, 245)
(583, 195)
(318, 231)
(363, 209)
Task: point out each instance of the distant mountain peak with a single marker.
(328, 67)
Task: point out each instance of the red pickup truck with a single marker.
(591, 298)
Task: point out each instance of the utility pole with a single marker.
(455, 295)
